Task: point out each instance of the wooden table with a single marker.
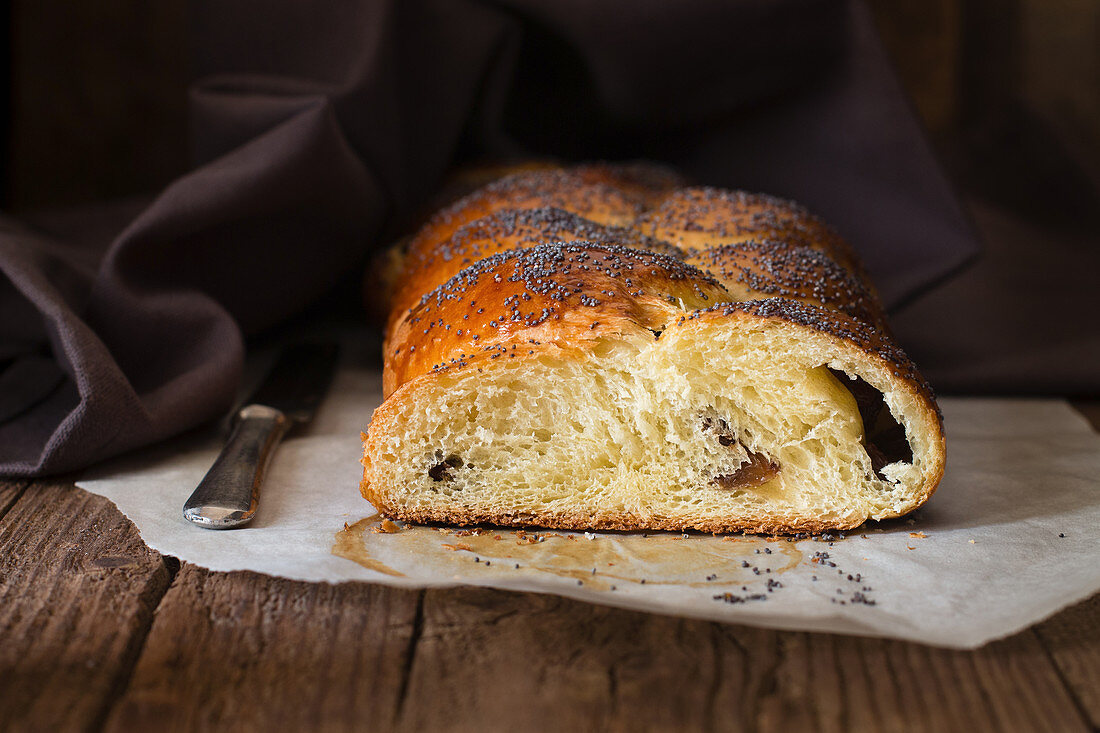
(97, 631)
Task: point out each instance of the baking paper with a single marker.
(1010, 537)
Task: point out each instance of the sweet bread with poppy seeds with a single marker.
(599, 347)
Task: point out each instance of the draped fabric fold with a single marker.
(318, 128)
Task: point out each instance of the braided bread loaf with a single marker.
(601, 347)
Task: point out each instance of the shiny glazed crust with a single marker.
(572, 266)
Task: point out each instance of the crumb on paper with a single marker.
(972, 542)
(910, 547)
(918, 535)
(458, 546)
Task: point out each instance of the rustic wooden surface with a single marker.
(97, 631)
(78, 589)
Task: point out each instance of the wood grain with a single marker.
(1072, 639)
(545, 663)
(9, 492)
(77, 593)
(243, 651)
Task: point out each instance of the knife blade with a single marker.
(229, 494)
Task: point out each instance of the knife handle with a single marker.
(227, 496)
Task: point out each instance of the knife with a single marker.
(228, 495)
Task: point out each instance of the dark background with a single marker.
(1009, 91)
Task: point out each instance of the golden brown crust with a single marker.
(426, 268)
(637, 205)
(766, 269)
(562, 293)
(649, 182)
(385, 271)
(588, 193)
(703, 217)
(562, 189)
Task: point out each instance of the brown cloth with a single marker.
(318, 127)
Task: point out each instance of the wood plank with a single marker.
(542, 662)
(341, 657)
(892, 685)
(77, 593)
(1072, 638)
(9, 492)
(250, 652)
